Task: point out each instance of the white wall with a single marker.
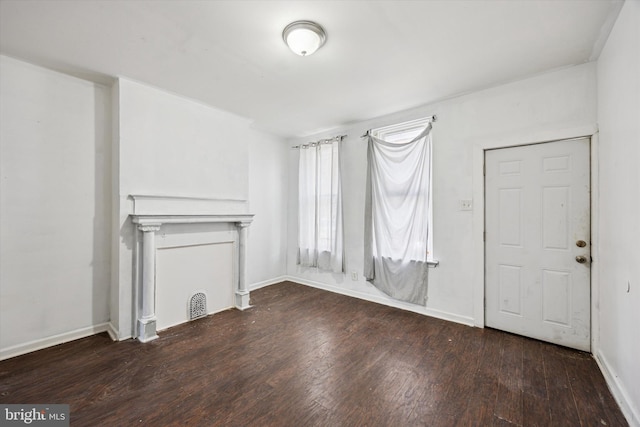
(618, 258)
(552, 105)
(54, 207)
(173, 146)
(268, 178)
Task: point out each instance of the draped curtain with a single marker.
(396, 216)
(320, 235)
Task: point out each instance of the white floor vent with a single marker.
(197, 306)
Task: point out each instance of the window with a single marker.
(398, 243)
(320, 241)
(399, 134)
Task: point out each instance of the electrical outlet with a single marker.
(466, 205)
(354, 276)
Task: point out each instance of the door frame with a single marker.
(537, 137)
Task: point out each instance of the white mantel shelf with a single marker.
(191, 219)
(150, 213)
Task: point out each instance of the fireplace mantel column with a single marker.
(147, 320)
(242, 293)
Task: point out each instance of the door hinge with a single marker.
(484, 169)
(484, 236)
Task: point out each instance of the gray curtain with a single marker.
(396, 216)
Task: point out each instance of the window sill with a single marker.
(432, 263)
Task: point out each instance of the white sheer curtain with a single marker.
(320, 241)
(396, 216)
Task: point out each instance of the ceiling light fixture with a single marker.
(304, 37)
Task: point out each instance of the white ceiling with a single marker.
(380, 57)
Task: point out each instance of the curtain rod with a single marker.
(432, 119)
(321, 141)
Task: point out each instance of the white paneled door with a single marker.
(537, 244)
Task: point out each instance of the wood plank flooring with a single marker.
(306, 357)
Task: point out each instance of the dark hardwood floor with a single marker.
(306, 357)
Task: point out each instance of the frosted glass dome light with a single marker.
(304, 37)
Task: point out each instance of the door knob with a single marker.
(581, 243)
(581, 259)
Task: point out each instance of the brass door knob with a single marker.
(581, 243)
(581, 259)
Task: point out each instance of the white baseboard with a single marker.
(631, 413)
(39, 344)
(452, 317)
(269, 282)
(113, 333)
(183, 321)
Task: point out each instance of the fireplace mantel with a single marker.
(190, 219)
(151, 213)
